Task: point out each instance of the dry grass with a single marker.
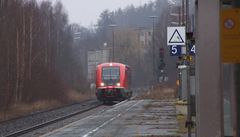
(76, 97)
(21, 109)
(159, 93)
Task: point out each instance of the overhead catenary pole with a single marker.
(189, 115)
(183, 11)
(179, 16)
(113, 58)
(153, 50)
(187, 17)
(112, 26)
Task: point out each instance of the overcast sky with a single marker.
(86, 12)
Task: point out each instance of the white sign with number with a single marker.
(192, 50)
(175, 50)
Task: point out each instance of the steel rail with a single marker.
(44, 111)
(38, 126)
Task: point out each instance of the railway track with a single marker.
(40, 112)
(89, 105)
(27, 124)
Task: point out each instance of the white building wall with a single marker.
(95, 58)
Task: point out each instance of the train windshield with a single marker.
(110, 75)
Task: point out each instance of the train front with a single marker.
(109, 81)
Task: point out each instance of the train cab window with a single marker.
(110, 75)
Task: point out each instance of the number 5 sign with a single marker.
(175, 50)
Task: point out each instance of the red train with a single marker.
(113, 82)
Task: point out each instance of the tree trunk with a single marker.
(8, 94)
(57, 55)
(17, 67)
(48, 46)
(30, 47)
(23, 66)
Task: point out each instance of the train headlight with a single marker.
(102, 84)
(118, 84)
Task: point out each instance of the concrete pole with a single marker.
(153, 50)
(209, 106)
(189, 115)
(236, 4)
(113, 26)
(183, 12)
(179, 16)
(187, 17)
(113, 56)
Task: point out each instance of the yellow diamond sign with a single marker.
(230, 35)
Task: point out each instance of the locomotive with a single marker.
(113, 82)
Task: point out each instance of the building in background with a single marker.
(94, 58)
(145, 37)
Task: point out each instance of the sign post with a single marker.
(180, 45)
(176, 41)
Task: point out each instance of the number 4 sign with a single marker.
(192, 50)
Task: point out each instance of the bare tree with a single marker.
(36, 52)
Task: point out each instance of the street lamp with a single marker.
(153, 49)
(112, 26)
(105, 46)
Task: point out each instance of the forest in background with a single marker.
(40, 60)
(36, 53)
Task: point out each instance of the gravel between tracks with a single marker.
(22, 123)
